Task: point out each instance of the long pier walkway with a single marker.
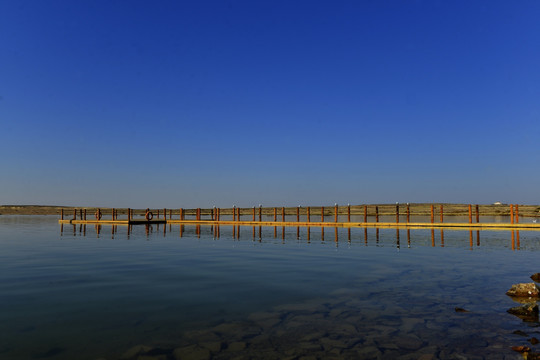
(303, 217)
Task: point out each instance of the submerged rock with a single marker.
(520, 333)
(527, 312)
(192, 352)
(521, 349)
(524, 290)
(135, 350)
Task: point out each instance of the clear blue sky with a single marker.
(202, 103)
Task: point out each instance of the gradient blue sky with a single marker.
(201, 103)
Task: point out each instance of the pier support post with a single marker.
(275, 214)
(74, 214)
(85, 214)
(477, 214)
(61, 214)
(322, 213)
(397, 213)
(283, 214)
(511, 213)
(298, 214)
(470, 214)
(442, 213)
(348, 212)
(164, 214)
(260, 213)
(307, 214)
(432, 214)
(376, 214)
(335, 213)
(254, 213)
(408, 213)
(365, 213)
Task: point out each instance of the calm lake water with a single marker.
(77, 292)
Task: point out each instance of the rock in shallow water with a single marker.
(527, 312)
(524, 290)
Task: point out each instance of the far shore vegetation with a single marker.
(356, 209)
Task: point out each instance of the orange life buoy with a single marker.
(149, 216)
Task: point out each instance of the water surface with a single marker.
(87, 292)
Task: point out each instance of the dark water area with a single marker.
(171, 292)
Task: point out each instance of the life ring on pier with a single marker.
(149, 216)
(98, 215)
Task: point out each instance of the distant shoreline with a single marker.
(383, 209)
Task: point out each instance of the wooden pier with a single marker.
(339, 216)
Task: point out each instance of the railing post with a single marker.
(511, 213)
(408, 213)
(283, 214)
(275, 214)
(477, 214)
(365, 213)
(376, 214)
(164, 214)
(298, 214)
(322, 213)
(307, 214)
(470, 214)
(348, 212)
(335, 213)
(61, 214)
(442, 214)
(260, 212)
(432, 214)
(517, 213)
(397, 213)
(74, 214)
(254, 213)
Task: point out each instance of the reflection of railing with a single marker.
(308, 233)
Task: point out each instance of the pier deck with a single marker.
(402, 225)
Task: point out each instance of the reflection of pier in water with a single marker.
(437, 235)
